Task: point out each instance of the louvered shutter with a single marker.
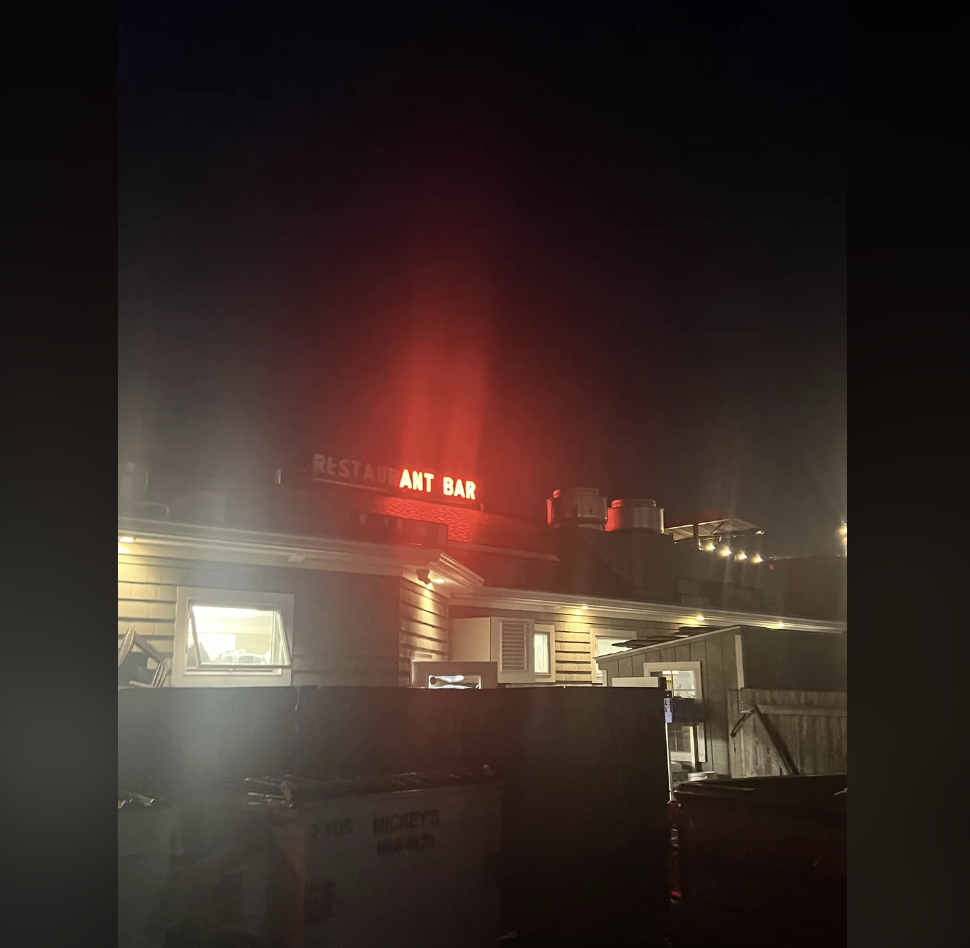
(514, 639)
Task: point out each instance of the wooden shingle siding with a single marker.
(345, 624)
(572, 653)
(423, 627)
(573, 656)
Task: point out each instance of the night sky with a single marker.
(545, 248)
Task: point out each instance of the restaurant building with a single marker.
(353, 571)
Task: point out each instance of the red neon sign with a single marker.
(379, 477)
(424, 480)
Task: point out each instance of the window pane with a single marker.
(606, 644)
(236, 636)
(542, 649)
(678, 736)
(682, 683)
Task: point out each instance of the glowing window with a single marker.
(231, 635)
(227, 637)
(542, 645)
(606, 645)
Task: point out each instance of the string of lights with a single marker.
(722, 547)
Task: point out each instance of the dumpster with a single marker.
(406, 861)
(403, 860)
(761, 861)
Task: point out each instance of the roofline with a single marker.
(671, 643)
(686, 641)
(502, 551)
(532, 601)
(295, 548)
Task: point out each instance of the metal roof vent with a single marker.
(576, 507)
(641, 515)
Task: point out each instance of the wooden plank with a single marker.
(424, 616)
(811, 724)
(423, 628)
(132, 573)
(147, 628)
(564, 647)
(712, 685)
(136, 609)
(423, 644)
(564, 635)
(147, 592)
(424, 604)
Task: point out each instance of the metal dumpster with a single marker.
(409, 861)
(762, 862)
(405, 860)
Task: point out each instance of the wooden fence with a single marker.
(782, 732)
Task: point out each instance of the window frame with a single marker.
(231, 676)
(700, 738)
(545, 628)
(599, 676)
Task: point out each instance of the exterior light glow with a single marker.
(699, 618)
(709, 546)
(724, 551)
(126, 539)
(122, 549)
(438, 580)
(781, 625)
(584, 608)
(756, 558)
(741, 556)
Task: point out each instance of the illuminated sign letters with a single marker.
(424, 481)
(379, 477)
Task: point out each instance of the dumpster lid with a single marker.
(795, 789)
(295, 789)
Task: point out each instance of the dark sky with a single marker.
(545, 248)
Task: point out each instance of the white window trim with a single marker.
(599, 676)
(700, 738)
(548, 628)
(183, 678)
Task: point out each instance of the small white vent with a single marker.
(515, 642)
